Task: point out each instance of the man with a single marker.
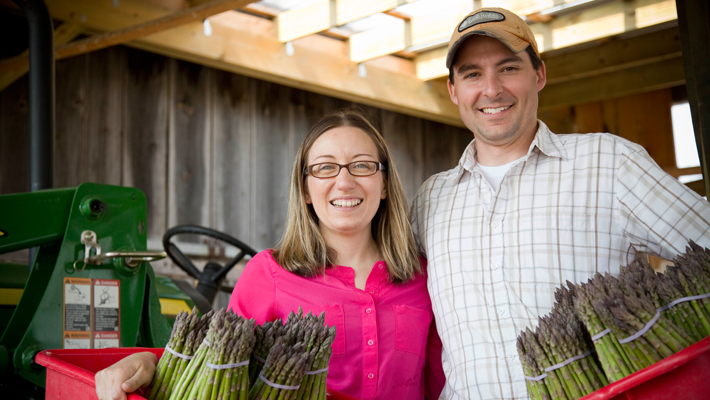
(526, 210)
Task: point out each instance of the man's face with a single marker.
(496, 91)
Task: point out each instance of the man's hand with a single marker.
(126, 376)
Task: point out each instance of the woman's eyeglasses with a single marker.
(357, 168)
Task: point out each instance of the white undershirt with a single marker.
(494, 175)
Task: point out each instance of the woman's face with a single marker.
(344, 204)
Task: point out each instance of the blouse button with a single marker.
(380, 266)
(370, 375)
(370, 342)
(372, 291)
(369, 311)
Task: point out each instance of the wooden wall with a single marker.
(206, 146)
(641, 118)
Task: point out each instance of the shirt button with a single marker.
(370, 342)
(494, 225)
(369, 311)
(372, 291)
(496, 266)
(380, 266)
(370, 375)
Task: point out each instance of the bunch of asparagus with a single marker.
(229, 340)
(189, 331)
(560, 336)
(217, 356)
(625, 306)
(304, 347)
(266, 336)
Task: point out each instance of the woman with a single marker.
(347, 250)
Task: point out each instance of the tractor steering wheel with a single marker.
(210, 278)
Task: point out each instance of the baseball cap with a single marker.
(494, 22)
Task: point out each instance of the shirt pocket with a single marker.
(334, 317)
(412, 329)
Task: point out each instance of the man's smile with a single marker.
(489, 110)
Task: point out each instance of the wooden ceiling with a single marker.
(384, 53)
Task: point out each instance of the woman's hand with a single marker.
(126, 376)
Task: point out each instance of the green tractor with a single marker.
(90, 284)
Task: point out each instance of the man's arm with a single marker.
(657, 213)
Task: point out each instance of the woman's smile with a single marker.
(346, 203)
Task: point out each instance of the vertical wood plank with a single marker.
(626, 120)
(104, 119)
(588, 117)
(610, 119)
(643, 118)
(404, 137)
(441, 147)
(14, 138)
(70, 150)
(560, 120)
(146, 133)
(233, 140)
(655, 128)
(272, 159)
(304, 110)
(189, 165)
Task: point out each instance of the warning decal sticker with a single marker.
(77, 313)
(107, 315)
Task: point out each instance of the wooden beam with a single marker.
(304, 21)
(431, 64)
(596, 23)
(379, 41)
(262, 10)
(439, 24)
(351, 10)
(233, 47)
(417, 31)
(644, 78)
(326, 14)
(602, 21)
(698, 187)
(676, 172)
(63, 34)
(265, 58)
(524, 7)
(650, 12)
(126, 34)
(613, 54)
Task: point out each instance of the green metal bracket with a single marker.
(54, 220)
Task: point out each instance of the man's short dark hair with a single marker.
(534, 59)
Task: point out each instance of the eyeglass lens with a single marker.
(360, 168)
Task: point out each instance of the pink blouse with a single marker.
(386, 345)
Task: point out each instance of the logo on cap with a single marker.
(480, 18)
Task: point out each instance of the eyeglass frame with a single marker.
(309, 169)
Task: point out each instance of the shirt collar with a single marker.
(349, 274)
(547, 142)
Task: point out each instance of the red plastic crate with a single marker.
(684, 375)
(70, 373)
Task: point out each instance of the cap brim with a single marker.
(513, 42)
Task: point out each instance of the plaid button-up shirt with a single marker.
(573, 206)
